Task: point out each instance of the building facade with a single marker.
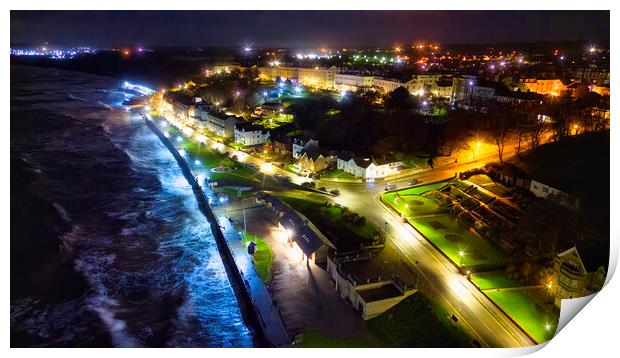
(551, 87)
(318, 77)
(367, 168)
(576, 276)
(352, 83)
(249, 134)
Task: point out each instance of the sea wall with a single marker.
(244, 298)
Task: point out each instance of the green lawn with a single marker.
(451, 237)
(337, 174)
(302, 201)
(239, 173)
(538, 323)
(491, 280)
(316, 339)
(413, 323)
(366, 230)
(400, 199)
(439, 112)
(445, 232)
(412, 161)
(233, 192)
(263, 257)
(416, 205)
(208, 157)
(275, 121)
(417, 190)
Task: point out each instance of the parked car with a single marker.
(390, 186)
(323, 188)
(335, 192)
(309, 184)
(414, 181)
(278, 175)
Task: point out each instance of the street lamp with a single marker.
(461, 254)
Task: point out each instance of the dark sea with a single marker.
(108, 247)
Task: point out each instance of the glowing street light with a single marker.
(592, 49)
(196, 162)
(179, 139)
(547, 326)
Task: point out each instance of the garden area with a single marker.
(453, 238)
(337, 174)
(211, 159)
(275, 121)
(493, 280)
(425, 212)
(487, 183)
(529, 307)
(522, 307)
(262, 258)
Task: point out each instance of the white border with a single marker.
(591, 331)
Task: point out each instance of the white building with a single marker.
(367, 168)
(352, 83)
(216, 122)
(389, 85)
(318, 77)
(249, 134)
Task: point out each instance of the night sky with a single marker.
(303, 28)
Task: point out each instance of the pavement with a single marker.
(301, 291)
(273, 328)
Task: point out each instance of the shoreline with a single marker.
(244, 298)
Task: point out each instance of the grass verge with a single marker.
(262, 258)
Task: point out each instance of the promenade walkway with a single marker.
(236, 260)
(261, 300)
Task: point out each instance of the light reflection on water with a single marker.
(159, 273)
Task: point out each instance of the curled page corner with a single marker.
(570, 308)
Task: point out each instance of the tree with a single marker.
(400, 100)
(500, 122)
